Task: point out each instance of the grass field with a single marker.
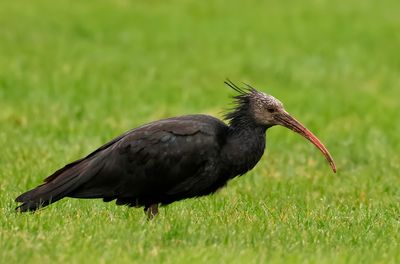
(73, 75)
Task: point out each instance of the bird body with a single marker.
(164, 161)
(161, 162)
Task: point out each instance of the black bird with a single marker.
(172, 159)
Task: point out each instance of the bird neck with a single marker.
(244, 146)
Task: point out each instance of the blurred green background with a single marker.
(75, 74)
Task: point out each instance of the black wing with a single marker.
(149, 164)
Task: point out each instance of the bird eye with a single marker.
(271, 110)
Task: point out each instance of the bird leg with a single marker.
(151, 211)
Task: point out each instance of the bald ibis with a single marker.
(172, 159)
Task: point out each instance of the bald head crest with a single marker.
(252, 105)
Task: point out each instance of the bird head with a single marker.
(267, 111)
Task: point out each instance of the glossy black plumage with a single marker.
(161, 162)
(167, 160)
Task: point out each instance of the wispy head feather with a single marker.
(234, 87)
(241, 102)
(250, 106)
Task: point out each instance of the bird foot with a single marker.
(151, 211)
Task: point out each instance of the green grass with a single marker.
(73, 75)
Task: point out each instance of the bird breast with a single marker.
(243, 151)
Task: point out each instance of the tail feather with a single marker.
(56, 186)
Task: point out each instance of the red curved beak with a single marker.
(286, 120)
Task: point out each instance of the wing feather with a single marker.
(144, 163)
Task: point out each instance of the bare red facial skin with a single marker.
(286, 120)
